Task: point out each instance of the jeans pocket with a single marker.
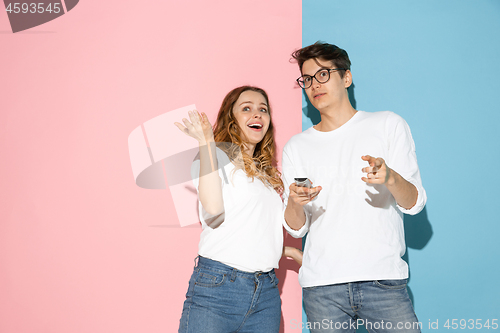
(391, 284)
(207, 278)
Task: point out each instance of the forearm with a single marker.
(294, 215)
(403, 191)
(210, 188)
(294, 253)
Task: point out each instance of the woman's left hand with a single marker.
(294, 253)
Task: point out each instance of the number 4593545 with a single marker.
(33, 8)
(471, 324)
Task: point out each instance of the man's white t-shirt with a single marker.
(355, 230)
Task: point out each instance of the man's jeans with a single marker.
(381, 306)
(222, 299)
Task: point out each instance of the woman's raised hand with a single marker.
(199, 127)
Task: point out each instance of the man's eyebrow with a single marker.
(320, 69)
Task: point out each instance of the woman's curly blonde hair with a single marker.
(262, 164)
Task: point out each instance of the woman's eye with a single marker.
(246, 108)
(263, 110)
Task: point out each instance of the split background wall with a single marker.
(436, 63)
(83, 249)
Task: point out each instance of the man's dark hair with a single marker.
(325, 52)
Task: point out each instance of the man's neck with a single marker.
(334, 117)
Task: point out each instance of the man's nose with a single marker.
(315, 82)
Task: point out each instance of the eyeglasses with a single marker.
(322, 76)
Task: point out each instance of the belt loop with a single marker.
(272, 276)
(196, 260)
(233, 274)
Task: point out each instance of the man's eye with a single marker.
(306, 79)
(323, 73)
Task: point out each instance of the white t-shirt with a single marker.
(250, 237)
(355, 229)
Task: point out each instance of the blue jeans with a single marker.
(381, 306)
(222, 299)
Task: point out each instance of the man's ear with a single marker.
(347, 78)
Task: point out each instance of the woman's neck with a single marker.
(248, 148)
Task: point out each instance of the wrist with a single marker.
(294, 206)
(391, 177)
(205, 142)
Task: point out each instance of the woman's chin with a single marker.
(253, 139)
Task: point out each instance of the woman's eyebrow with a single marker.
(252, 103)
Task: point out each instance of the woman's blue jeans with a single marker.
(381, 306)
(222, 299)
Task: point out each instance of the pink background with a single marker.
(84, 249)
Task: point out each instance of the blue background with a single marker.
(435, 63)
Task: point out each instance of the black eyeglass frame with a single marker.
(314, 76)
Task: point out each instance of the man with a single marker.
(365, 166)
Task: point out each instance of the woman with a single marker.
(233, 286)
